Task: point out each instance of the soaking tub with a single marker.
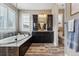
(13, 39)
(15, 45)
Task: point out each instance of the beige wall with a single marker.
(69, 51)
(68, 15)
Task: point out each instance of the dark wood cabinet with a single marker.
(42, 37)
(49, 22)
(35, 22)
(24, 47)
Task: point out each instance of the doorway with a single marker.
(61, 26)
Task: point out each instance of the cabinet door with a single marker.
(24, 47)
(35, 22)
(50, 22)
(35, 18)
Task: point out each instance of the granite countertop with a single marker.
(43, 31)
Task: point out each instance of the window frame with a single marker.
(5, 27)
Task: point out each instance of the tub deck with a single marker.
(15, 49)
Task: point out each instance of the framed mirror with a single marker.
(74, 8)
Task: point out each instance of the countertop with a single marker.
(43, 31)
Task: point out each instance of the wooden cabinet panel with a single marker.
(2, 51)
(15, 51)
(24, 47)
(50, 22)
(35, 22)
(42, 37)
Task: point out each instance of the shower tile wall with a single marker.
(5, 35)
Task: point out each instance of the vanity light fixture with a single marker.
(42, 15)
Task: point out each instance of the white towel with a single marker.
(71, 25)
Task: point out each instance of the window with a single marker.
(3, 17)
(7, 19)
(25, 22)
(11, 19)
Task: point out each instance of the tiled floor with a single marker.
(45, 49)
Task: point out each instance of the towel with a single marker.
(71, 25)
(71, 39)
(77, 41)
(76, 36)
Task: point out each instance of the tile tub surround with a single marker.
(15, 49)
(5, 35)
(16, 44)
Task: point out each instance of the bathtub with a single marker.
(13, 39)
(15, 47)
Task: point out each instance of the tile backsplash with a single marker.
(5, 35)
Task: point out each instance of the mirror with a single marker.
(42, 22)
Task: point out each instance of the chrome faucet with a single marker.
(16, 39)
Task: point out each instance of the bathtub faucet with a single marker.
(16, 39)
(24, 34)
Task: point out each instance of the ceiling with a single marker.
(35, 6)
